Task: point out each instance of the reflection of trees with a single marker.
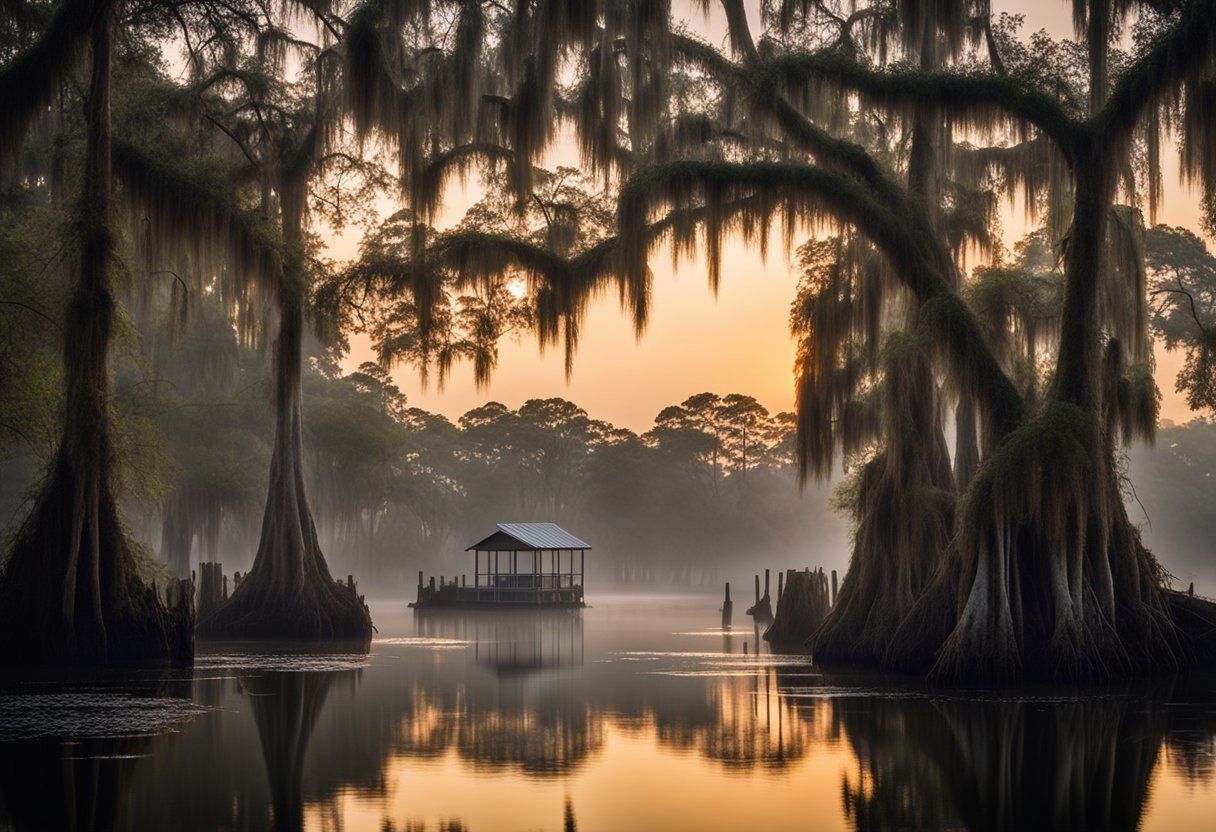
(749, 722)
(525, 719)
(268, 750)
(52, 785)
(546, 722)
(550, 731)
(996, 764)
(285, 707)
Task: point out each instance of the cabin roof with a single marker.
(528, 537)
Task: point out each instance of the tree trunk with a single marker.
(288, 592)
(905, 516)
(71, 590)
(1055, 582)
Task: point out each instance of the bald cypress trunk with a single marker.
(70, 590)
(1054, 581)
(289, 592)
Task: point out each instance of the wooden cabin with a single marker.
(520, 564)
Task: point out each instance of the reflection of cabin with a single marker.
(513, 641)
(531, 564)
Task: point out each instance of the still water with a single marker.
(637, 714)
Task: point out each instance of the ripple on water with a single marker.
(90, 714)
(284, 662)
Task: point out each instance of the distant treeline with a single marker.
(397, 489)
(708, 492)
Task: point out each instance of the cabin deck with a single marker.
(506, 590)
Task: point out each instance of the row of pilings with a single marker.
(207, 588)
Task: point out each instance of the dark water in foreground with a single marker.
(634, 716)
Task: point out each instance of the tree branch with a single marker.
(1185, 50)
(980, 96)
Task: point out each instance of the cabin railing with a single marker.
(528, 582)
(502, 589)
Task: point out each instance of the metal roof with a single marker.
(536, 536)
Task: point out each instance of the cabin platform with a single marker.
(515, 594)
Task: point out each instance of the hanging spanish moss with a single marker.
(903, 510)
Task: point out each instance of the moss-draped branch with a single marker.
(980, 96)
(1186, 50)
(809, 194)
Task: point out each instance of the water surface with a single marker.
(637, 714)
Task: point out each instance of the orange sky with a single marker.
(738, 342)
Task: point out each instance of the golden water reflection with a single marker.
(630, 716)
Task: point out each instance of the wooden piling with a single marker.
(763, 608)
(728, 608)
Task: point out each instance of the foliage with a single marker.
(1183, 311)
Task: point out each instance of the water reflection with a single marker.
(622, 717)
(511, 641)
(999, 765)
(285, 708)
(84, 784)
